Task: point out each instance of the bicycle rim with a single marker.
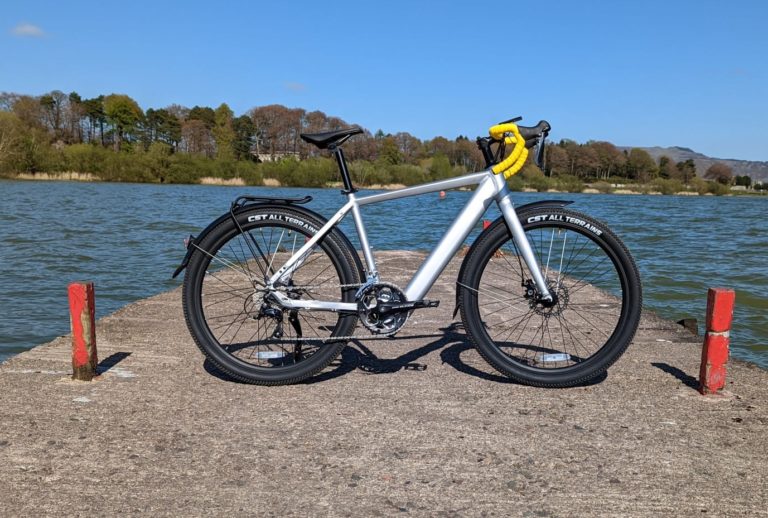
(239, 318)
(584, 331)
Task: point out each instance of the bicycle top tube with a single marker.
(425, 188)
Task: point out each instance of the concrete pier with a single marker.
(419, 425)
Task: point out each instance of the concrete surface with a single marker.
(419, 425)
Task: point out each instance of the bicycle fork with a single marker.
(504, 201)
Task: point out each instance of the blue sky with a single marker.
(687, 73)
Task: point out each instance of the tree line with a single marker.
(113, 138)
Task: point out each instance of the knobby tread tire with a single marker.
(488, 244)
(333, 244)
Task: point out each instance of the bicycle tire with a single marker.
(585, 332)
(224, 302)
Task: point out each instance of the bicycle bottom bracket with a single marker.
(372, 308)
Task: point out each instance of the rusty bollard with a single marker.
(82, 313)
(714, 354)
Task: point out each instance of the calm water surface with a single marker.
(128, 239)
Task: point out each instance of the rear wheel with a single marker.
(597, 303)
(233, 318)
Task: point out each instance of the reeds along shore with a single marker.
(522, 184)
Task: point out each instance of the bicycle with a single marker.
(548, 296)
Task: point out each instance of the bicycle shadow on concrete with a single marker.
(452, 356)
(358, 356)
(451, 343)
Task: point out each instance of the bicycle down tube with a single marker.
(491, 187)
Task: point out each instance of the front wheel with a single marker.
(594, 316)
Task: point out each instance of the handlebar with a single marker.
(522, 137)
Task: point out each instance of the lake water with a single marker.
(128, 239)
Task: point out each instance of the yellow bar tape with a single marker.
(516, 159)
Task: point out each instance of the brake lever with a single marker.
(540, 150)
(500, 151)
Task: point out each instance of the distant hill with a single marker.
(758, 171)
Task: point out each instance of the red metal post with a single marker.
(714, 354)
(82, 313)
(486, 223)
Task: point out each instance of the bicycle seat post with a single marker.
(339, 155)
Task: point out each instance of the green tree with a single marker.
(223, 133)
(161, 126)
(440, 167)
(170, 128)
(74, 116)
(94, 113)
(159, 160)
(687, 170)
(53, 105)
(390, 152)
(123, 113)
(245, 133)
(640, 165)
(29, 111)
(667, 167)
(10, 136)
(34, 151)
(204, 114)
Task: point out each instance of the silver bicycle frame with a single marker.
(491, 187)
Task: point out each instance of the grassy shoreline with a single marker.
(519, 184)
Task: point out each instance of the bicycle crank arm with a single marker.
(386, 308)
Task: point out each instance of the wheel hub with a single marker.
(547, 308)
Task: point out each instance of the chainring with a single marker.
(368, 302)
